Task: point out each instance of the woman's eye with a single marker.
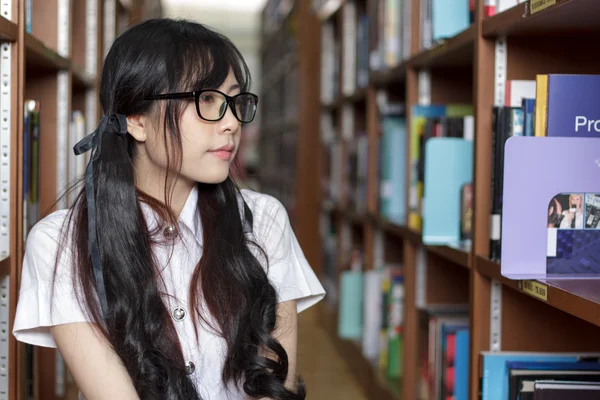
(207, 98)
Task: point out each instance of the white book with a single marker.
(350, 46)
(517, 90)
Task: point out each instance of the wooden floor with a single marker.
(324, 371)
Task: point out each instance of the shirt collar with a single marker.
(189, 217)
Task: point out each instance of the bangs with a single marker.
(206, 61)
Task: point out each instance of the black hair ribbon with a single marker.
(111, 124)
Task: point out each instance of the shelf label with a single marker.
(539, 5)
(535, 289)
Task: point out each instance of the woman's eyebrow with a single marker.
(235, 86)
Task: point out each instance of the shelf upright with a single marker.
(9, 186)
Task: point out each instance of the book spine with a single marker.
(28, 16)
(541, 105)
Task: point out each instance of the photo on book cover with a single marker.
(573, 234)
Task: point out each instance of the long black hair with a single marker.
(161, 56)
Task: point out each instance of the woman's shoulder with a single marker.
(47, 252)
(262, 204)
(260, 201)
(44, 237)
(267, 211)
(49, 226)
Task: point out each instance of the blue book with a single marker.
(393, 171)
(555, 366)
(449, 18)
(350, 305)
(461, 365)
(528, 107)
(448, 166)
(495, 369)
(573, 102)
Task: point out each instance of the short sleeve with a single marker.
(40, 304)
(288, 269)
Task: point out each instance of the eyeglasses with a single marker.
(211, 104)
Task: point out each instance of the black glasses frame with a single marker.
(230, 101)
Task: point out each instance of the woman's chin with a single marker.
(214, 179)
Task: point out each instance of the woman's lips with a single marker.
(224, 153)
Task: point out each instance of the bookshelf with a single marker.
(288, 168)
(52, 52)
(471, 67)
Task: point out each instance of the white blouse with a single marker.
(288, 271)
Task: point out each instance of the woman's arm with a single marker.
(286, 331)
(96, 368)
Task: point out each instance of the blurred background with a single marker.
(365, 107)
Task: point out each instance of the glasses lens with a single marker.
(245, 107)
(211, 105)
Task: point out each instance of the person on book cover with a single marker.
(165, 280)
(554, 213)
(573, 216)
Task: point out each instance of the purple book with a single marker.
(551, 218)
(573, 105)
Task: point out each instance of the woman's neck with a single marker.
(150, 178)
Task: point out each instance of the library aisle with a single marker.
(324, 370)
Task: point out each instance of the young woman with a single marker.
(164, 280)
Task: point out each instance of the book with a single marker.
(448, 167)
(559, 390)
(523, 372)
(451, 121)
(393, 161)
(495, 368)
(449, 18)
(567, 105)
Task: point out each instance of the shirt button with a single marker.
(170, 232)
(189, 367)
(179, 314)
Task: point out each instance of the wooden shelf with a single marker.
(574, 17)
(358, 96)
(8, 30)
(355, 217)
(334, 105)
(580, 297)
(329, 9)
(456, 51)
(369, 377)
(389, 76)
(399, 231)
(456, 255)
(81, 81)
(5, 267)
(39, 57)
(459, 256)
